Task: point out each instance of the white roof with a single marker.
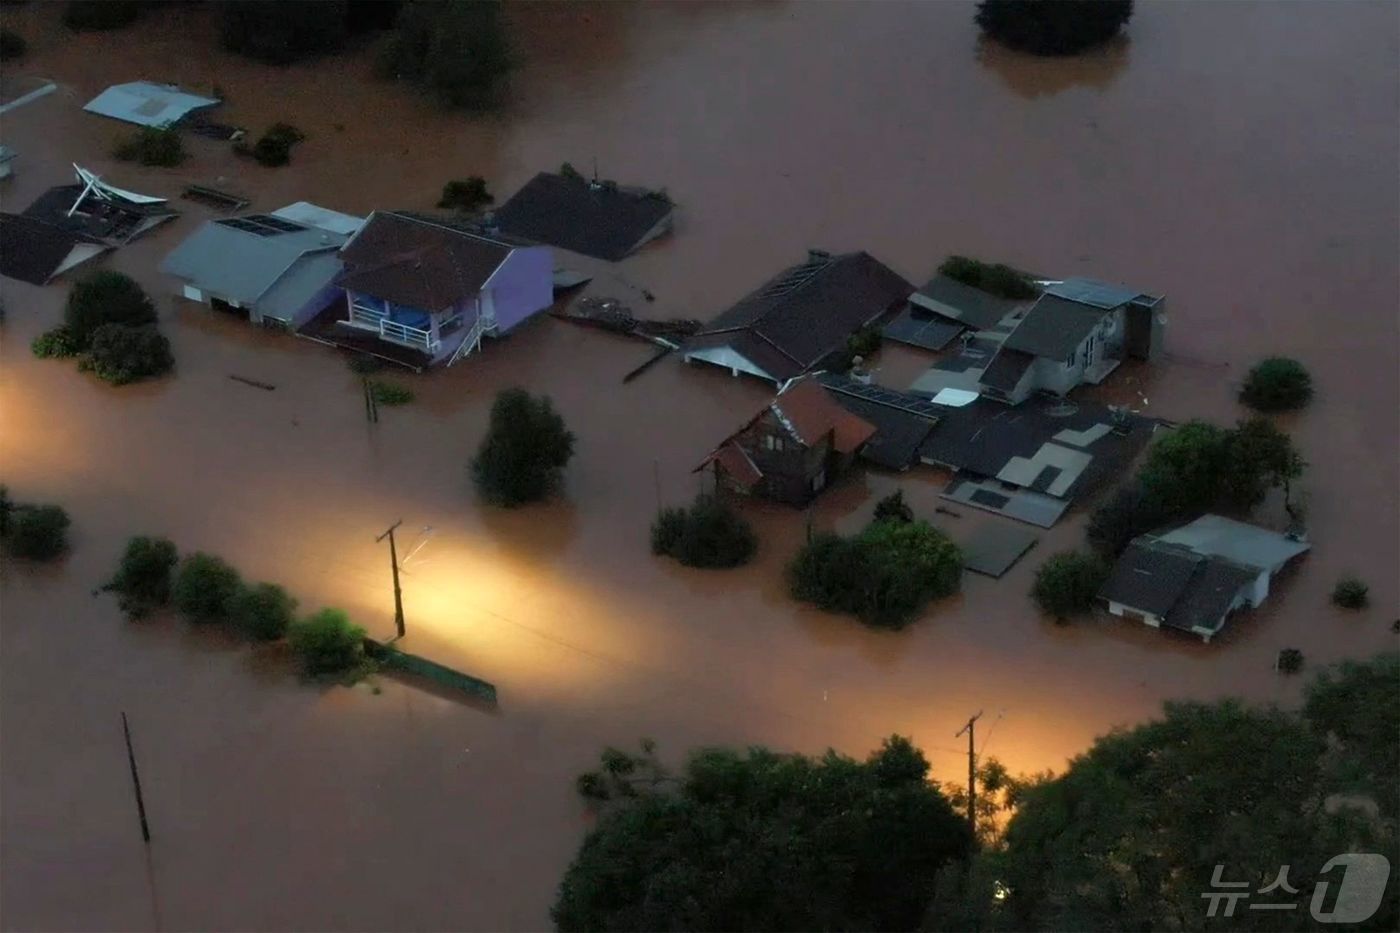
(1217, 536)
(94, 182)
(147, 104)
(954, 398)
(304, 212)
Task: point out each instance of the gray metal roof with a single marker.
(994, 547)
(1150, 579)
(309, 274)
(965, 304)
(147, 104)
(228, 259)
(1054, 327)
(1092, 292)
(1250, 545)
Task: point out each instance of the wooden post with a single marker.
(136, 782)
(970, 729)
(394, 562)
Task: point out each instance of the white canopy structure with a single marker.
(147, 104)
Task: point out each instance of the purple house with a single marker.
(436, 287)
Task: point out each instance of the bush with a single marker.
(363, 364)
(283, 32)
(205, 587)
(1289, 661)
(98, 15)
(1351, 593)
(327, 643)
(142, 581)
(275, 146)
(1277, 384)
(38, 532)
(1066, 584)
(1000, 280)
(884, 576)
(458, 50)
(12, 45)
(1061, 27)
(57, 343)
(159, 146)
(264, 611)
(568, 171)
(105, 297)
(524, 451)
(892, 508)
(466, 195)
(389, 393)
(121, 354)
(708, 534)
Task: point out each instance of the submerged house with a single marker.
(434, 287)
(790, 450)
(598, 219)
(269, 269)
(1191, 579)
(37, 252)
(800, 317)
(945, 308)
(96, 209)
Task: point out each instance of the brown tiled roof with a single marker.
(735, 463)
(419, 261)
(810, 411)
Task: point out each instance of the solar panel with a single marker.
(264, 225)
(794, 278)
(927, 333)
(883, 396)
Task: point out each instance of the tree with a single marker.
(205, 588)
(466, 194)
(1183, 469)
(1258, 457)
(707, 534)
(55, 343)
(893, 508)
(327, 643)
(142, 581)
(100, 15)
(1067, 584)
(524, 452)
(283, 32)
(993, 278)
(1129, 512)
(159, 146)
(12, 45)
(7, 510)
(1277, 383)
(38, 532)
(459, 50)
(105, 297)
(759, 840)
(274, 148)
(264, 611)
(1355, 707)
(1351, 593)
(120, 354)
(1061, 27)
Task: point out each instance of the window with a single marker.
(1069, 360)
(773, 442)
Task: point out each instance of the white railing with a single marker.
(392, 331)
(366, 317)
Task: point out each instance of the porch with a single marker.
(391, 325)
(331, 327)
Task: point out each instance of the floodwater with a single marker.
(1239, 157)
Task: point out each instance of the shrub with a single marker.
(1351, 593)
(57, 343)
(1066, 584)
(264, 611)
(1000, 280)
(7, 510)
(205, 587)
(284, 32)
(708, 534)
(1277, 384)
(120, 354)
(275, 146)
(159, 146)
(390, 393)
(142, 581)
(466, 195)
(893, 508)
(524, 451)
(12, 45)
(105, 297)
(327, 643)
(1061, 27)
(458, 50)
(38, 532)
(864, 342)
(568, 171)
(98, 15)
(363, 364)
(1289, 661)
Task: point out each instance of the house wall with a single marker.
(1061, 376)
(1119, 609)
(1143, 328)
(1257, 591)
(522, 287)
(788, 474)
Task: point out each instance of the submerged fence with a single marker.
(394, 659)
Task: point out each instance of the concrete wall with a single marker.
(522, 287)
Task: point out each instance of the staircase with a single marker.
(470, 343)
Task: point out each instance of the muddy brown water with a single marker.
(1239, 157)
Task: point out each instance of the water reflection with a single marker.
(1033, 76)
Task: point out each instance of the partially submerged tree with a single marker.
(273, 148)
(893, 508)
(205, 587)
(466, 194)
(1067, 584)
(283, 32)
(524, 452)
(36, 532)
(327, 643)
(1053, 27)
(710, 533)
(159, 146)
(142, 581)
(120, 354)
(1277, 384)
(765, 841)
(994, 278)
(12, 45)
(264, 611)
(100, 15)
(105, 297)
(458, 50)
(1351, 593)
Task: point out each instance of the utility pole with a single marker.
(394, 561)
(971, 729)
(136, 782)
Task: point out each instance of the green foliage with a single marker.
(363, 364)
(205, 587)
(524, 451)
(568, 171)
(142, 581)
(326, 643)
(1258, 457)
(1351, 593)
(98, 15)
(893, 508)
(864, 342)
(283, 32)
(390, 393)
(1184, 467)
(120, 354)
(37, 532)
(56, 343)
(264, 611)
(105, 297)
(1355, 706)
(7, 510)
(1290, 661)
(12, 45)
(1129, 512)
(622, 775)
(885, 575)
(160, 146)
(1067, 584)
(994, 279)
(1061, 27)
(466, 194)
(765, 841)
(1277, 384)
(458, 50)
(707, 534)
(275, 146)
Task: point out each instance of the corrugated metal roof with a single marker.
(1150, 579)
(235, 263)
(312, 215)
(1054, 327)
(1242, 543)
(963, 303)
(1092, 292)
(147, 104)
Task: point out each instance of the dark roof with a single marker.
(1212, 589)
(1099, 294)
(1006, 369)
(32, 250)
(810, 413)
(574, 214)
(964, 303)
(111, 221)
(1150, 579)
(1054, 327)
(923, 329)
(902, 421)
(807, 312)
(420, 261)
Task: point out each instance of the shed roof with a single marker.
(1054, 327)
(146, 103)
(34, 251)
(243, 257)
(574, 214)
(964, 303)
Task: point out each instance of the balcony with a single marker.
(377, 321)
